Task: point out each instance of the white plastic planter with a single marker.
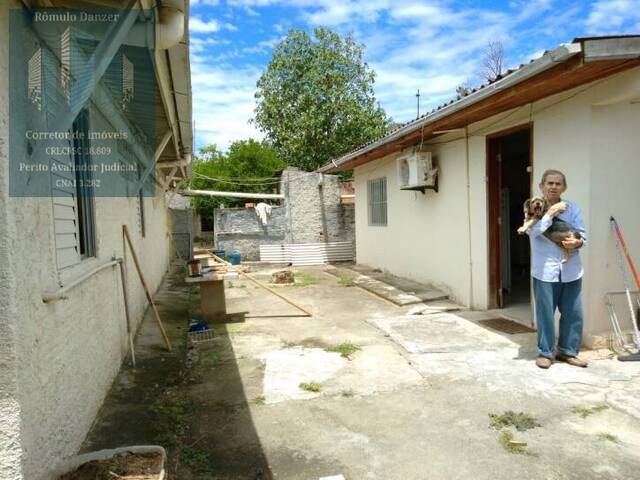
(72, 463)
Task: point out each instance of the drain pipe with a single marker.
(170, 24)
(466, 141)
(170, 30)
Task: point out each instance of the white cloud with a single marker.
(197, 3)
(223, 102)
(196, 24)
(431, 45)
(339, 12)
(612, 16)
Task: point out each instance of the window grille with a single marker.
(377, 201)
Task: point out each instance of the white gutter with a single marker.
(170, 30)
(543, 63)
(170, 24)
(212, 193)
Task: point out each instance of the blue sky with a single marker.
(428, 45)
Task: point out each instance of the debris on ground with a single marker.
(303, 279)
(514, 446)
(346, 281)
(520, 421)
(310, 386)
(584, 412)
(282, 277)
(127, 466)
(345, 349)
(610, 437)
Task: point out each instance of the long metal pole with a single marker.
(619, 246)
(620, 238)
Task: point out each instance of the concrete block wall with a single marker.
(181, 228)
(240, 229)
(57, 360)
(312, 213)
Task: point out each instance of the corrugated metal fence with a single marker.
(308, 253)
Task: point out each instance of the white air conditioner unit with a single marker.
(416, 172)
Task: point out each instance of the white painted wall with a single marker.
(427, 236)
(10, 448)
(57, 361)
(614, 160)
(590, 133)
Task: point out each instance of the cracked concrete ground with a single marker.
(412, 403)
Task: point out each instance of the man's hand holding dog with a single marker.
(572, 243)
(556, 208)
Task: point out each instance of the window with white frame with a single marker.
(73, 201)
(377, 201)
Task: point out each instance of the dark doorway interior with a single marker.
(515, 190)
(509, 186)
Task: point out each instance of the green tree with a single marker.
(315, 99)
(250, 167)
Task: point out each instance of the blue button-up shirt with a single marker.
(546, 256)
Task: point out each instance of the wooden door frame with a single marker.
(495, 246)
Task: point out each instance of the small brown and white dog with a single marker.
(559, 231)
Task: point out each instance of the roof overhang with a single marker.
(173, 75)
(562, 69)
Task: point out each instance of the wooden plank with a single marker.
(261, 285)
(125, 231)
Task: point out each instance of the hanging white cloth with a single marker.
(263, 210)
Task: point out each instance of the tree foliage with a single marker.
(250, 167)
(315, 100)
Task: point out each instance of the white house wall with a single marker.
(58, 360)
(615, 190)
(427, 237)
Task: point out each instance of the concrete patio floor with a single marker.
(412, 403)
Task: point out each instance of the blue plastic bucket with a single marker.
(234, 258)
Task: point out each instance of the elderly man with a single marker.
(557, 284)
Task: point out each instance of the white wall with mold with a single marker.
(10, 415)
(57, 360)
(590, 133)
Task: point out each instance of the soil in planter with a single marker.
(126, 466)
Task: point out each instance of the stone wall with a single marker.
(312, 213)
(181, 225)
(313, 207)
(240, 229)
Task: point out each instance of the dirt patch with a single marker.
(138, 466)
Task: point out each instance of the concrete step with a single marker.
(390, 288)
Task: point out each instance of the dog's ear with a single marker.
(527, 204)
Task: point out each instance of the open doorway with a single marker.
(509, 185)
